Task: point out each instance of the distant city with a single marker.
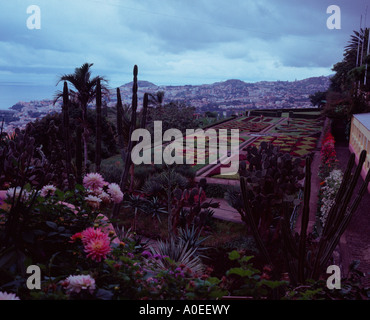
(231, 96)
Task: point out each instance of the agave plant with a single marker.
(180, 253)
(136, 203)
(124, 234)
(154, 207)
(192, 237)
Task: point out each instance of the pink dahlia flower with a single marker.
(115, 192)
(78, 283)
(48, 190)
(91, 234)
(98, 248)
(93, 181)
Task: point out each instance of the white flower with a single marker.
(115, 192)
(93, 201)
(48, 190)
(16, 192)
(95, 192)
(8, 296)
(105, 197)
(78, 283)
(329, 192)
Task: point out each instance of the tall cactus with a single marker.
(341, 214)
(127, 160)
(126, 154)
(247, 217)
(66, 133)
(145, 110)
(98, 127)
(305, 219)
(303, 260)
(128, 167)
(121, 142)
(79, 151)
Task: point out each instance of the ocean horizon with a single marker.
(11, 94)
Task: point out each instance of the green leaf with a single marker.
(218, 294)
(240, 272)
(190, 295)
(234, 255)
(213, 280)
(272, 284)
(246, 258)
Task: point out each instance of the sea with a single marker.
(11, 94)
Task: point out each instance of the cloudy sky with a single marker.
(173, 42)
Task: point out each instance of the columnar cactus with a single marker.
(79, 159)
(66, 133)
(121, 143)
(305, 260)
(126, 154)
(98, 127)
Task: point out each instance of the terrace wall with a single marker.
(360, 140)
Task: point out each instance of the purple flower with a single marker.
(147, 254)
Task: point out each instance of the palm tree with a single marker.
(357, 46)
(156, 99)
(85, 92)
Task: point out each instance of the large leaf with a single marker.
(234, 255)
(240, 272)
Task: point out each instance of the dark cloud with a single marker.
(175, 40)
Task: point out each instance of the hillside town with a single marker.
(225, 98)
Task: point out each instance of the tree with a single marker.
(85, 92)
(348, 89)
(173, 115)
(318, 98)
(351, 69)
(156, 99)
(52, 143)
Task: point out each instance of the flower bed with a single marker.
(328, 191)
(296, 146)
(328, 160)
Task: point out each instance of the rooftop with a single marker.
(364, 118)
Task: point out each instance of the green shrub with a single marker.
(217, 190)
(111, 173)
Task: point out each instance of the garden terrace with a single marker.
(297, 136)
